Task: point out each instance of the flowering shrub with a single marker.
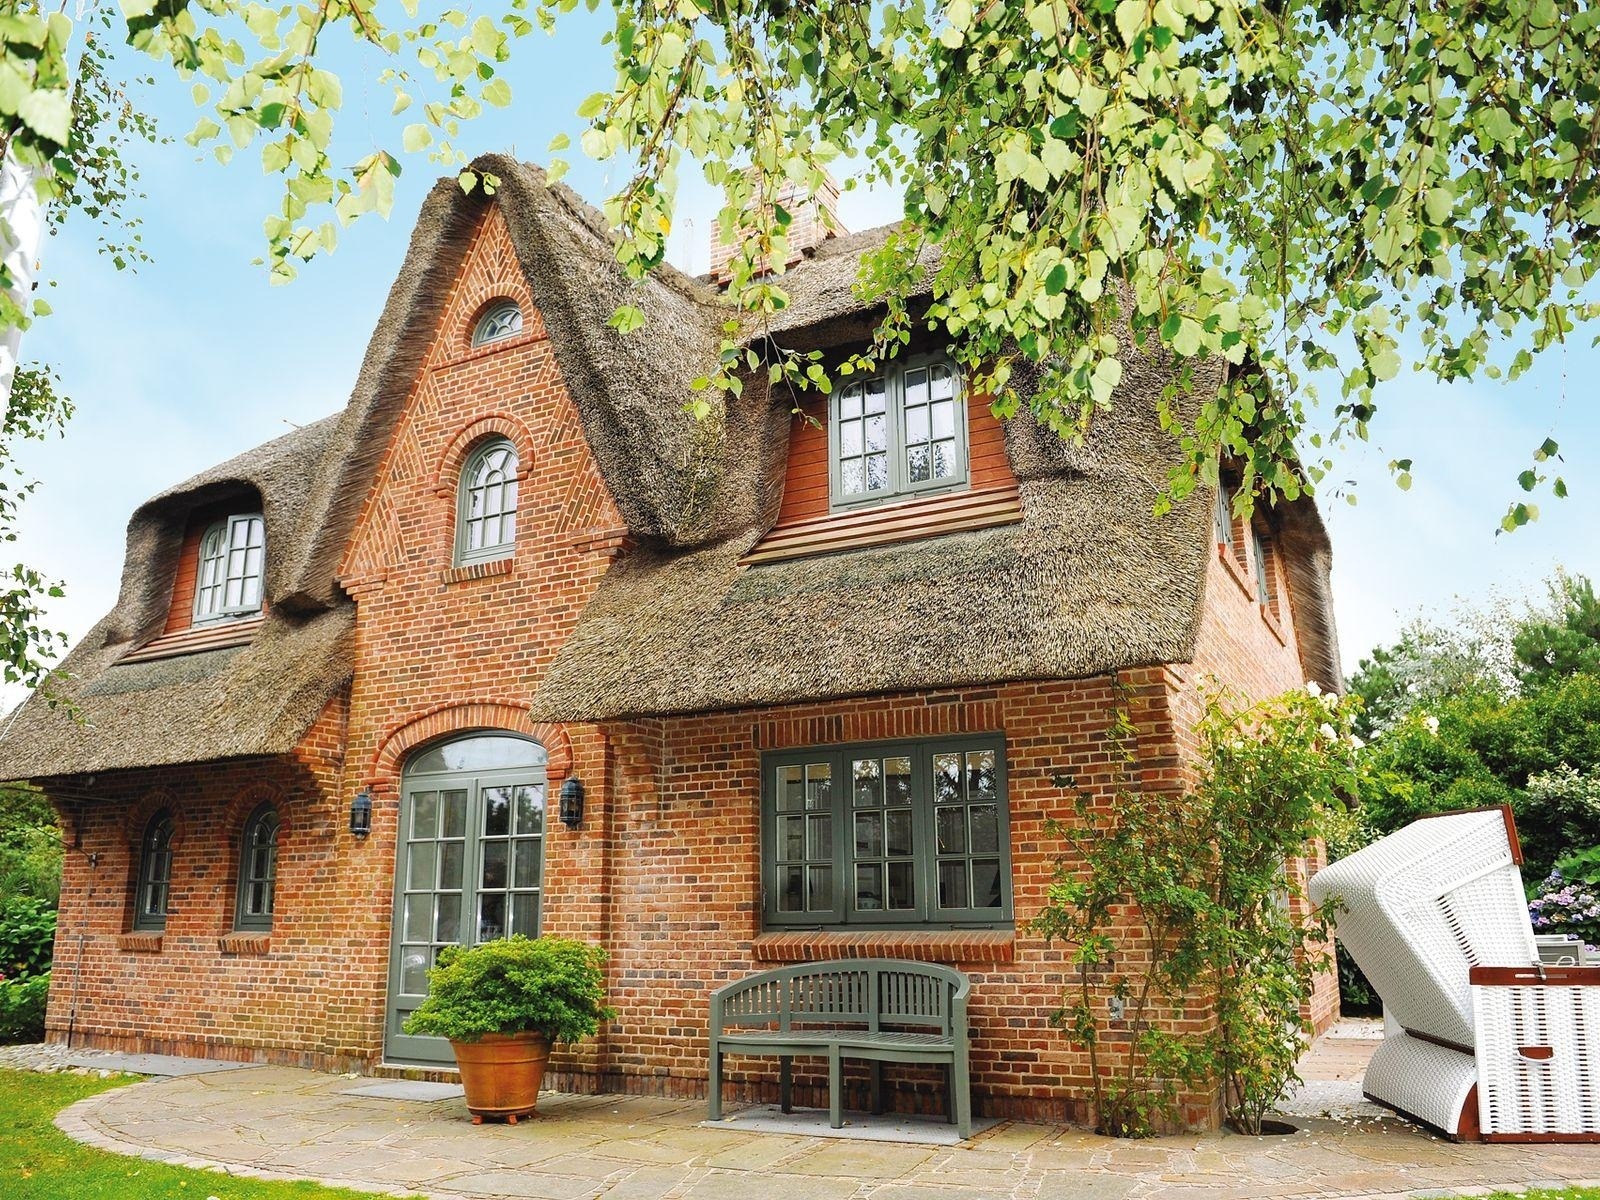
(1567, 906)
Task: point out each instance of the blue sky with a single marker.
(195, 358)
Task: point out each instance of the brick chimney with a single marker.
(813, 222)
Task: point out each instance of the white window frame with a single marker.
(512, 487)
(901, 487)
(222, 563)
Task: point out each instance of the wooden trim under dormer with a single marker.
(214, 635)
(885, 524)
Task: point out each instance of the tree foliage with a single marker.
(1177, 906)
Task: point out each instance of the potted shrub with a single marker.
(503, 1004)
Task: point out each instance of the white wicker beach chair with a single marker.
(1481, 1039)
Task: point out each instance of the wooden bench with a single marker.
(875, 1009)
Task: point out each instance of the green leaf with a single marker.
(49, 114)
(416, 137)
(626, 319)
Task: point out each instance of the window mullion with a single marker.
(894, 394)
(844, 869)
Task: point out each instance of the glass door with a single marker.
(469, 865)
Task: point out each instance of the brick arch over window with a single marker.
(447, 471)
(249, 798)
(471, 716)
(477, 300)
(143, 812)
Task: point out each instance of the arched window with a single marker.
(232, 559)
(486, 525)
(502, 320)
(155, 874)
(258, 870)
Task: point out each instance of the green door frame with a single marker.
(398, 1046)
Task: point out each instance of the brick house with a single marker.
(822, 676)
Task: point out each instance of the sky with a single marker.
(194, 358)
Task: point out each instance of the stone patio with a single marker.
(284, 1123)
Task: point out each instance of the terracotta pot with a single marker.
(501, 1074)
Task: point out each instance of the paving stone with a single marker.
(722, 1185)
(861, 1161)
(520, 1185)
(407, 1089)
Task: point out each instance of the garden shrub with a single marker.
(22, 1006)
(1570, 906)
(27, 936)
(1212, 925)
(553, 986)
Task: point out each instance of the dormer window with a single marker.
(232, 560)
(502, 320)
(900, 434)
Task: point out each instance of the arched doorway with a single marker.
(469, 865)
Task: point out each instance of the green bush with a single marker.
(27, 936)
(552, 986)
(22, 1004)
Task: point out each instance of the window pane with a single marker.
(985, 829)
(530, 809)
(868, 774)
(869, 835)
(898, 839)
(819, 836)
(953, 884)
(491, 917)
(852, 477)
(791, 788)
(877, 472)
(850, 402)
(453, 814)
(425, 815)
(946, 778)
(902, 886)
(791, 839)
(944, 460)
(819, 785)
(525, 915)
(452, 857)
(897, 780)
(918, 466)
(525, 864)
(980, 775)
(869, 887)
(877, 433)
(493, 872)
(419, 918)
(986, 883)
(916, 386)
(791, 889)
(952, 829)
(849, 439)
(258, 901)
(414, 971)
(916, 424)
(944, 383)
(820, 880)
(496, 811)
(423, 860)
(944, 419)
(873, 399)
(448, 926)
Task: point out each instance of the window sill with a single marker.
(477, 570)
(922, 945)
(245, 943)
(1270, 620)
(144, 941)
(887, 524)
(1236, 570)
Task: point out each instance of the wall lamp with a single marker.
(361, 814)
(572, 802)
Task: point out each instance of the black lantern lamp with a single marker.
(361, 814)
(572, 802)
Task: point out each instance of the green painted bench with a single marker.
(875, 1009)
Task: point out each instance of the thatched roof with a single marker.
(1089, 580)
(228, 703)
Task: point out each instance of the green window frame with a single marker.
(898, 434)
(1222, 517)
(500, 321)
(153, 885)
(1260, 547)
(486, 503)
(887, 835)
(258, 871)
(233, 557)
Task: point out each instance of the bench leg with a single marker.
(714, 1089)
(785, 1083)
(877, 1087)
(835, 1089)
(961, 1097)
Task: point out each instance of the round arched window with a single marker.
(155, 874)
(486, 521)
(258, 870)
(501, 320)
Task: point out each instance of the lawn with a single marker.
(38, 1160)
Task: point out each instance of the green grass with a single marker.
(38, 1160)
